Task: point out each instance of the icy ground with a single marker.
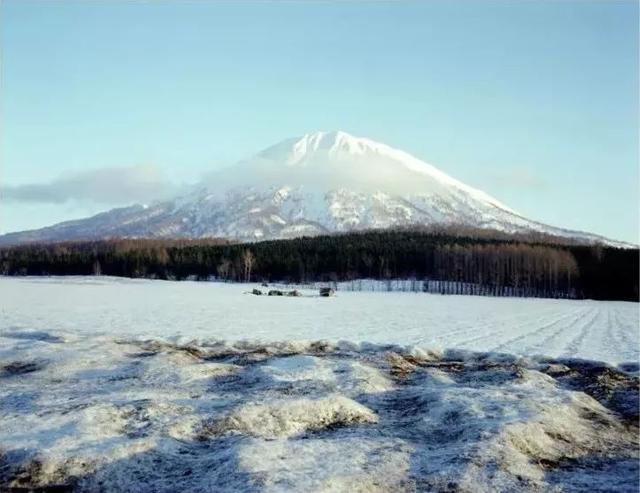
(606, 331)
(125, 385)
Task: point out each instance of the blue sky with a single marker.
(534, 102)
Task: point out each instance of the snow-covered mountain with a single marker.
(319, 183)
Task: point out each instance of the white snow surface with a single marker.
(597, 330)
(111, 384)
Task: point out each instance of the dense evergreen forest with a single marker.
(473, 262)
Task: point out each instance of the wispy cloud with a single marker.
(114, 185)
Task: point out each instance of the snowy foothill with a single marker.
(113, 384)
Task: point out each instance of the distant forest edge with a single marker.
(470, 261)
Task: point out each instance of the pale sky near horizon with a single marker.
(106, 103)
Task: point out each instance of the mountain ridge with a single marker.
(322, 182)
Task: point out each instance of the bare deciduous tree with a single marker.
(223, 269)
(248, 260)
(97, 269)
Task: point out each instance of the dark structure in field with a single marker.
(326, 292)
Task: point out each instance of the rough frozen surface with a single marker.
(132, 385)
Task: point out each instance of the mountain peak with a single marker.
(323, 181)
(332, 135)
(364, 163)
(334, 143)
(331, 142)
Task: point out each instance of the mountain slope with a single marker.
(320, 183)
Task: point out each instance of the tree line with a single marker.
(470, 262)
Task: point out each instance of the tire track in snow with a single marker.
(611, 339)
(542, 326)
(510, 329)
(624, 330)
(549, 321)
(611, 336)
(546, 343)
(623, 335)
(542, 329)
(503, 323)
(504, 327)
(571, 349)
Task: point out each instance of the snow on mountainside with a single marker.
(320, 183)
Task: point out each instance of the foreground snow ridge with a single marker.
(292, 417)
(98, 413)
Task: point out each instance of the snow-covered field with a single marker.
(134, 385)
(183, 311)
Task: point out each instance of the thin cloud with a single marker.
(114, 185)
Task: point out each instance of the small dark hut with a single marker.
(326, 292)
